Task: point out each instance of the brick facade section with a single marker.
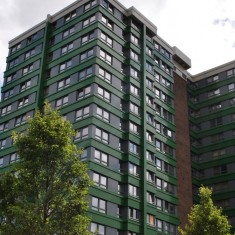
(182, 149)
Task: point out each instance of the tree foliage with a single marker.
(205, 218)
(46, 193)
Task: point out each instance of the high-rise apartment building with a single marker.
(126, 90)
(211, 105)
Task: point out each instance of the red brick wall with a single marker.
(182, 149)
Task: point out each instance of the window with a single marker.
(134, 39)
(135, 25)
(157, 92)
(82, 133)
(70, 16)
(149, 118)
(149, 67)
(156, 45)
(159, 224)
(4, 126)
(149, 136)
(167, 115)
(106, 57)
(217, 137)
(168, 168)
(168, 150)
(88, 21)
(149, 156)
(85, 73)
(87, 54)
(67, 64)
(219, 187)
(133, 190)
(101, 135)
(232, 101)
(68, 32)
(63, 83)
(231, 87)
(157, 61)
(167, 132)
(27, 69)
(51, 41)
(134, 108)
(104, 94)
(13, 63)
(20, 120)
(22, 102)
(16, 48)
(213, 93)
(99, 180)
(150, 198)
(169, 208)
(165, 98)
(29, 54)
(216, 122)
(25, 85)
(84, 155)
(157, 76)
(212, 79)
(166, 67)
(134, 127)
(88, 37)
(149, 100)
(134, 90)
(103, 114)
(11, 78)
(97, 229)
(106, 39)
(170, 228)
(105, 74)
(67, 48)
(1, 162)
(165, 53)
(3, 143)
(159, 204)
(134, 73)
(218, 170)
(148, 50)
(14, 157)
(101, 157)
(90, 5)
(218, 153)
(215, 107)
(166, 83)
(134, 213)
(149, 83)
(107, 22)
(230, 73)
(170, 188)
(133, 148)
(134, 56)
(108, 6)
(8, 94)
(31, 38)
(98, 204)
(150, 176)
(133, 169)
(62, 101)
(84, 92)
(150, 220)
(83, 112)
(159, 183)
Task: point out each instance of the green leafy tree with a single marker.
(205, 218)
(46, 193)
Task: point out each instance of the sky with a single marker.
(204, 30)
